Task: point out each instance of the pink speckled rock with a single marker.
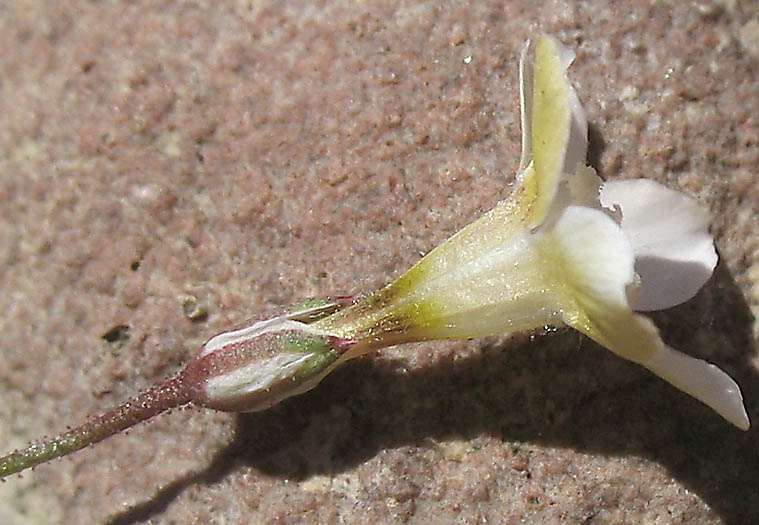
(175, 168)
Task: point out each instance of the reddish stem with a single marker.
(161, 397)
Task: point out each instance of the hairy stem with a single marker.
(161, 397)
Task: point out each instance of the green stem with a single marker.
(161, 397)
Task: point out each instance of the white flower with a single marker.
(565, 248)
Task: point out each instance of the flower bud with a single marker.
(258, 365)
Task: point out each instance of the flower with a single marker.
(565, 248)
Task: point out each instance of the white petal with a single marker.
(597, 268)
(596, 256)
(554, 133)
(669, 232)
(525, 99)
(577, 144)
(584, 187)
(704, 381)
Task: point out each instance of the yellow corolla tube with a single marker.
(565, 248)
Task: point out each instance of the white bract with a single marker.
(565, 248)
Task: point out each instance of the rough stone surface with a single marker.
(175, 167)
